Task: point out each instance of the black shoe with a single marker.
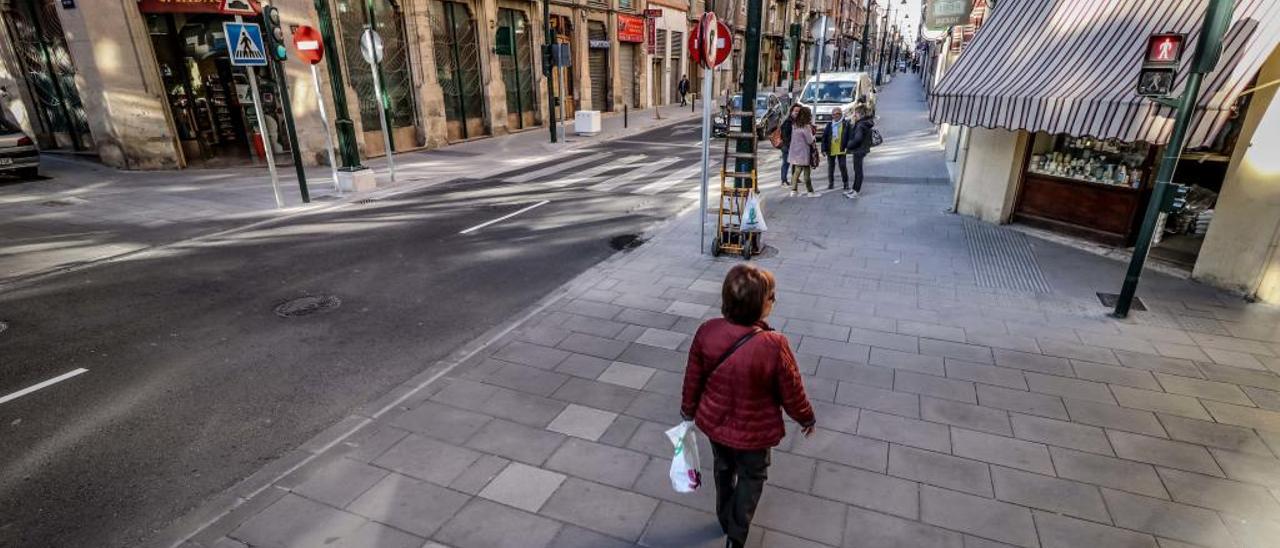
(729, 543)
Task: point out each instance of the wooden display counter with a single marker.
(1109, 214)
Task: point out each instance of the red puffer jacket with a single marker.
(738, 404)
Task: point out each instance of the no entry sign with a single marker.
(310, 46)
(710, 41)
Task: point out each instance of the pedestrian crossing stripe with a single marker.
(244, 43)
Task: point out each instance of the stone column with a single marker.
(120, 86)
(430, 97)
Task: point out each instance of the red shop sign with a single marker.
(228, 7)
(631, 28)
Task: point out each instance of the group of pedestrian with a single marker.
(802, 150)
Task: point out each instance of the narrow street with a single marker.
(193, 381)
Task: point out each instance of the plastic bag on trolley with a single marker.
(753, 215)
(685, 475)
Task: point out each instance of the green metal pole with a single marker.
(750, 78)
(283, 87)
(863, 44)
(1208, 48)
(884, 41)
(343, 125)
(549, 71)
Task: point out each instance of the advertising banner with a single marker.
(631, 28)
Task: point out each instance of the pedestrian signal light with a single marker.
(1164, 49)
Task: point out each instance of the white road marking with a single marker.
(672, 179)
(503, 218)
(533, 175)
(44, 384)
(632, 175)
(590, 173)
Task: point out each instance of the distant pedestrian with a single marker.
(683, 88)
(802, 152)
(859, 146)
(740, 372)
(835, 143)
(787, 126)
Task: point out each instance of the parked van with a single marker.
(838, 90)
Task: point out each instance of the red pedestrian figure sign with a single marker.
(1164, 49)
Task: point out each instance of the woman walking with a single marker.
(860, 145)
(739, 372)
(801, 152)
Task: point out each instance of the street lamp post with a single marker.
(863, 44)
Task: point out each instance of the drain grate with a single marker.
(1003, 258)
(4, 326)
(625, 242)
(306, 306)
(1109, 301)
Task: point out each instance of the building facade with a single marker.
(147, 84)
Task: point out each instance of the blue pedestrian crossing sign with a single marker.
(244, 43)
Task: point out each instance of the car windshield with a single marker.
(828, 92)
(762, 103)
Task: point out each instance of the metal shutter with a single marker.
(627, 70)
(598, 67)
(677, 46)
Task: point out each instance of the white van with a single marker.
(838, 90)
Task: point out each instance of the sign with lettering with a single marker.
(940, 14)
(224, 7)
(630, 28)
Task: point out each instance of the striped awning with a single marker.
(1071, 66)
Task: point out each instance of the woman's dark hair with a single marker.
(805, 117)
(860, 111)
(746, 289)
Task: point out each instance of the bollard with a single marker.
(624, 115)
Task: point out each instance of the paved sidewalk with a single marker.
(85, 212)
(965, 398)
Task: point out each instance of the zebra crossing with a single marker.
(637, 174)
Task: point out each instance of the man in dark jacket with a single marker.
(835, 143)
(859, 146)
(683, 88)
(786, 140)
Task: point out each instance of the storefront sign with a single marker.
(224, 7)
(630, 28)
(940, 14)
(651, 36)
(598, 44)
(653, 13)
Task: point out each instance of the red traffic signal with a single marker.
(1164, 49)
(310, 47)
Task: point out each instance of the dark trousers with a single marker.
(683, 101)
(785, 165)
(857, 172)
(740, 477)
(831, 171)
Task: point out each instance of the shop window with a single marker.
(1102, 161)
(397, 78)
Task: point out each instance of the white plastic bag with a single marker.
(753, 215)
(685, 475)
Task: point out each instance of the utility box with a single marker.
(587, 122)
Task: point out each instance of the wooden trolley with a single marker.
(730, 238)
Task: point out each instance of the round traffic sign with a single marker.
(310, 46)
(371, 46)
(720, 39)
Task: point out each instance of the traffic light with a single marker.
(546, 60)
(275, 35)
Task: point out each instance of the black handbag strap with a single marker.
(741, 341)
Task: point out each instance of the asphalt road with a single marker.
(193, 382)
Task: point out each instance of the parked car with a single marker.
(18, 154)
(838, 90)
(767, 108)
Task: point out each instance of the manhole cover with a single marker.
(306, 306)
(625, 242)
(1109, 301)
(3, 326)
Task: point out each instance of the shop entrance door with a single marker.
(677, 46)
(515, 55)
(385, 17)
(458, 70)
(41, 49)
(208, 98)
